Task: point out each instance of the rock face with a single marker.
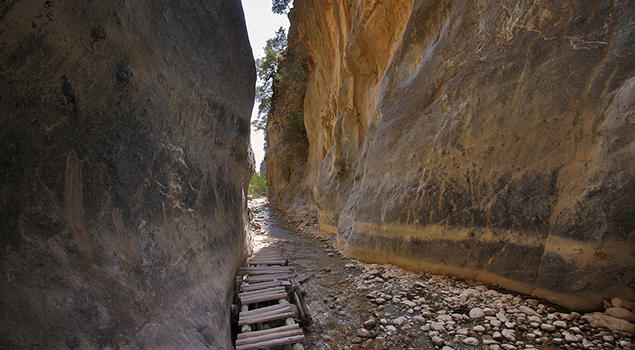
(124, 161)
(482, 139)
(287, 145)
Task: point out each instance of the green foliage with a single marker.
(280, 7)
(295, 132)
(267, 69)
(258, 185)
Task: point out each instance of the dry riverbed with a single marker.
(368, 306)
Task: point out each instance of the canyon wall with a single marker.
(124, 161)
(492, 140)
(287, 144)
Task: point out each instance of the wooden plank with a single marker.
(263, 309)
(266, 318)
(263, 269)
(262, 298)
(267, 262)
(267, 331)
(271, 343)
(257, 286)
(302, 304)
(278, 289)
(265, 313)
(270, 336)
(269, 278)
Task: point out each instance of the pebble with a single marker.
(363, 332)
(470, 341)
(456, 313)
(548, 327)
(476, 313)
(370, 323)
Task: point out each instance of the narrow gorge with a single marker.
(481, 139)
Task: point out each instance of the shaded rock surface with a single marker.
(482, 139)
(124, 160)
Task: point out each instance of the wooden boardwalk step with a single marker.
(264, 270)
(266, 316)
(269, 282)
(277, 289)
(263, 285)
(278, 336)
(267, 331)
(263, 261)
(259, 298)
(250, 313)
(269, 278)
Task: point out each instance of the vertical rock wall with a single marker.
(287, 147)
(485, 139)
(124, 160)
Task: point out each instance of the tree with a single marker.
(280, 7)
(267, 68)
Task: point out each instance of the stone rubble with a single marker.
(460, 314)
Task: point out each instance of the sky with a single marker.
(262, 24)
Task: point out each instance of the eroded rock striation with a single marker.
(124, 160)
(485, 139)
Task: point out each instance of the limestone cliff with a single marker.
(485, 139)
(124, 160)
(287, 145)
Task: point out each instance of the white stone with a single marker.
(425, 327)
(438, 341)
(444, 318)
(570, 338)
(548, 327)
(476, 313)
(447, 348)
(492, 294)
(478, 328)
(495, 323)
(509, 334)
(497, 335)
(622, 313)
(399, 321)
(437, 326)
(462, 331)
(489, 312)
(418, 319)
(501, 316)
(470, 341)
(469, 293)
(586, 343)
(508, 347)
(598, 319)
(528, 311)
(391, 329)
(535, 319)
(560, 324)
(408, 303)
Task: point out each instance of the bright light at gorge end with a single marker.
(261, 25)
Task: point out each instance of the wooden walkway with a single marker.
(270, 302)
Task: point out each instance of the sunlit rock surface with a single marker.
(287, 148)
(124, 160)
(485, 139)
